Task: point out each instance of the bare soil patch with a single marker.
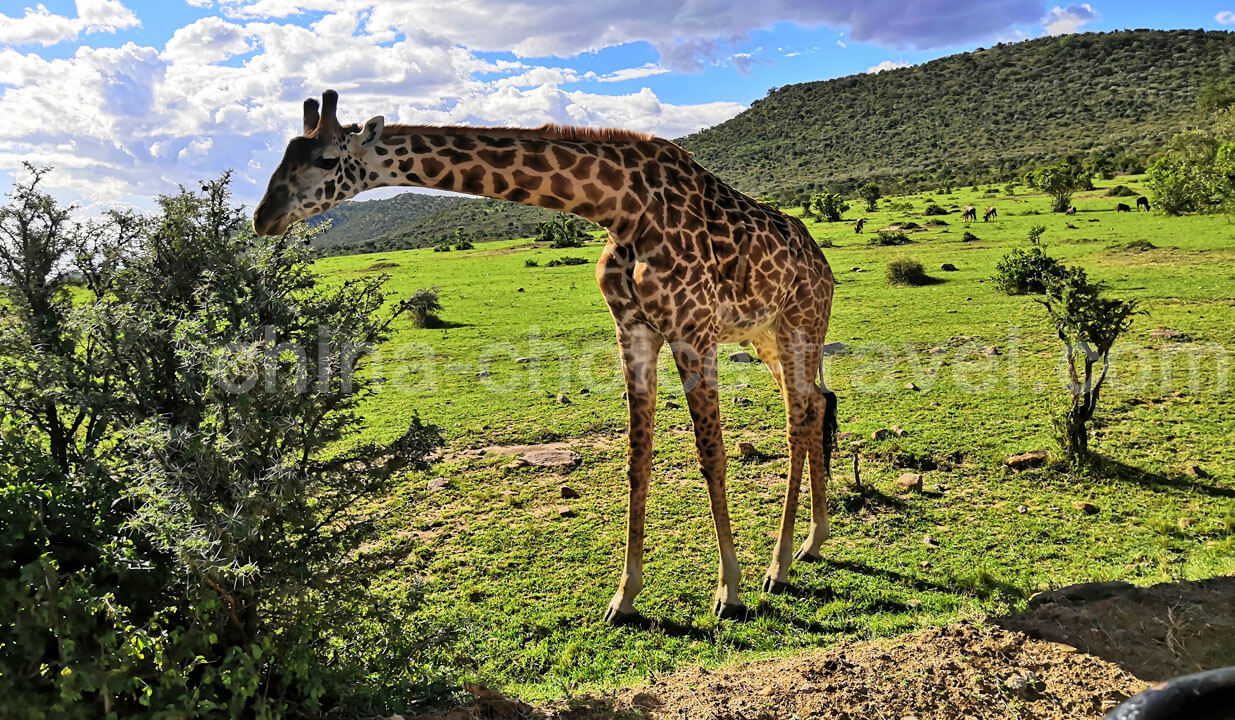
(1075, 653)
(1155, 632)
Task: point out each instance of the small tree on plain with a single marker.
(870, 193)
(828, 206)
(1088, 324)
(1059, 181)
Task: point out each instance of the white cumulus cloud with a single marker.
(39, 26)
(1061, 21)
(888, 65)
(1225, 17)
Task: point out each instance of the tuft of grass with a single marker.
(567, 261)
(1139, 246)
(904, 271)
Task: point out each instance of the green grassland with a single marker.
(523, 586)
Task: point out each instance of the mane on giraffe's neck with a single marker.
(602, 175)
(549, 131)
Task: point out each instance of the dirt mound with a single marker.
(959, 671)
(1155, 632)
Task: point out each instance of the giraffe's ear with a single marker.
(369, 134)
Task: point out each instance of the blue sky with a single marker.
(128, 98)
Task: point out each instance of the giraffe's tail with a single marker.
(830, 426)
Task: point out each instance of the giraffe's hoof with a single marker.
(776, 587)
(618, 618)
(729, 611)
(804, 556)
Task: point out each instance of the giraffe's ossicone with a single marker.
(689, 261)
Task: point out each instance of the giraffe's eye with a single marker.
(326, 163)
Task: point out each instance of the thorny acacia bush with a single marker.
(177, 537)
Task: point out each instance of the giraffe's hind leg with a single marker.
(696, 361)
(640, 347)
(817, 444)
(798, 365)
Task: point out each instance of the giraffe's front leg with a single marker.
(697, 365)
(640, 347)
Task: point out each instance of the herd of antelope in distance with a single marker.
(970, 213)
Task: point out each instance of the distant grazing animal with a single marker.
(1070, 211)
(689, 263)
(990, 213)
(971, 213)
(1142, 202)
(861, 223)
(1121, 207)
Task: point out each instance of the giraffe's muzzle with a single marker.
(271, 216)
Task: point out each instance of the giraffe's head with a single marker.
(320, 168)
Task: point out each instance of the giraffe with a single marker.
(689, 262)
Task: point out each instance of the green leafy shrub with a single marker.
(530, 263)
(969, 237)
(1088, 324)
(890, 237)
(1026, 271)
(904, 271)
(1121, 191)
(179, 541)
(934, 209)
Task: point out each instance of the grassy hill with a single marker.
(983, 114)
(987, 114)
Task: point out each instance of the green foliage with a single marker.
(1059, 181)
(178, 541)
(969, 237)
(890, 237)
(1121, 191)
(563, 231)
(1026, 271)
(423, 306)
(768, 200)
(829, 206)
(870, 193)
(904, 271)
(1088, 324)
(442, 245)
(933, 209)
(1194, 174)
(462, 239)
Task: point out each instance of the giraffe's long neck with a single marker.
(600, 180)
